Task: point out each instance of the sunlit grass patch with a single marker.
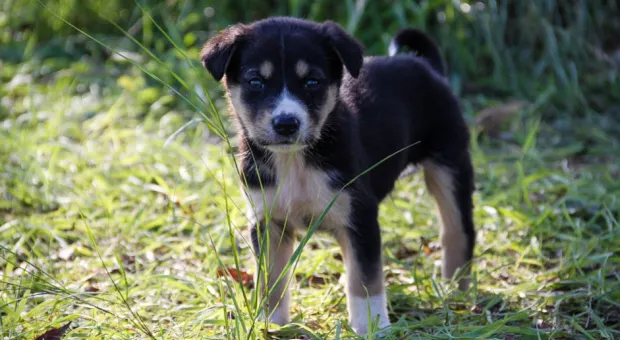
(109, 229)
(111, 225)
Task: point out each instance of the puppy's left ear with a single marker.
(349, 50)
(218, 51)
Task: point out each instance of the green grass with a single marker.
(110, 224)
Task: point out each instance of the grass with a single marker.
(109, 223)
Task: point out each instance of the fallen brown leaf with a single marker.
(91, 289)
(55, 333)
(490, 119)
(427, 247)
(239, 276)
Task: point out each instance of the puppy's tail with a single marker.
(419, 42)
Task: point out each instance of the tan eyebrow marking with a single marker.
(266, 69)
(301, 68)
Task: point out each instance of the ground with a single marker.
(113, 223)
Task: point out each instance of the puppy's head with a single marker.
(282, 76)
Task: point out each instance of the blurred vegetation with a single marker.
(569, 49)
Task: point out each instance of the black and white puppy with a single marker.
(313, 114)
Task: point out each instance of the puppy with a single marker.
(314, 116)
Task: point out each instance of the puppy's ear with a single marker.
(217, 52)
(349, 50)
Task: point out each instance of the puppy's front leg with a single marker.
(361, 249)
(274, 247)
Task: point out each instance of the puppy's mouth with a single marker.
(282, 146)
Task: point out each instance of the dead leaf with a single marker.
(91, 289)
(427, 247)
(240, 276)
(490, 119)
(55, 333)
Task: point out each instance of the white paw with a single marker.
(280, 316)
(360, 308)
(276, 318)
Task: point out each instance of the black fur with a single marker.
(348, 50)
(218, 52)
(417, 41)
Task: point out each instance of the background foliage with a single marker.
(105, 225)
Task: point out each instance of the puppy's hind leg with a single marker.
(274, 247)
(452, 187)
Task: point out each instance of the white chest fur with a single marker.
(300, 196)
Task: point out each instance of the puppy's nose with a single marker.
(285, 125)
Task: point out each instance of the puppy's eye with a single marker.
(311, 83)
(256, 83)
